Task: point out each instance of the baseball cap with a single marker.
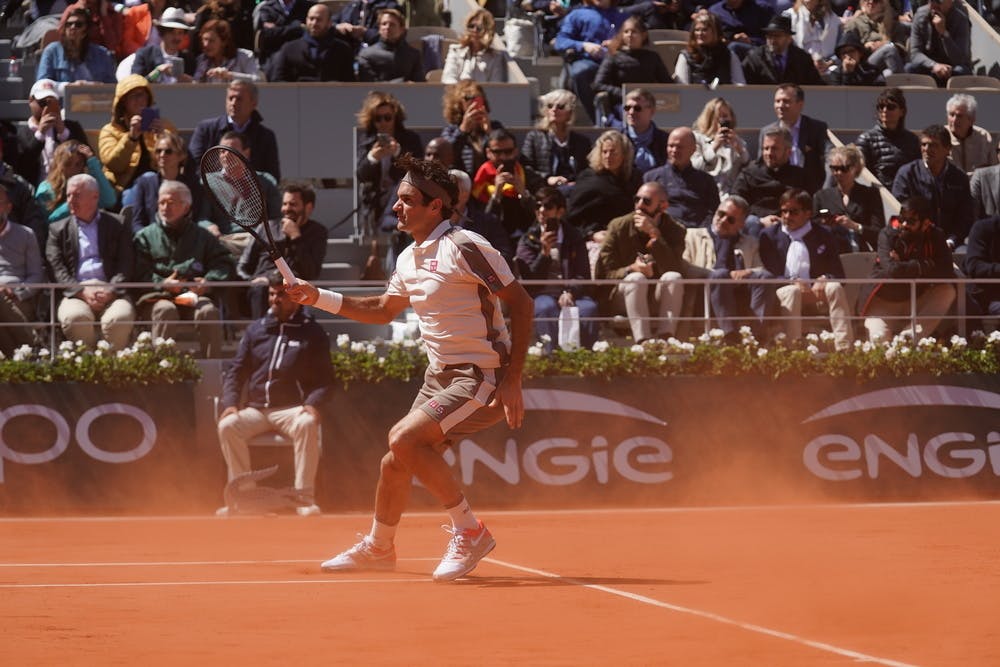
(44, 88)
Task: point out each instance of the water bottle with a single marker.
(13, 68)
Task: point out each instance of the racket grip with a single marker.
(286, 271)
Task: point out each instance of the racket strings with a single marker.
(235, 189)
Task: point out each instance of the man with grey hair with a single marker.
(971, 146)
(90, 251)
(469, 214)
(241, 116)
(763, 181)
(175, 251)
(20, 265)
(722, 251)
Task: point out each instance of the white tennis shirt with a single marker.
(451, 280)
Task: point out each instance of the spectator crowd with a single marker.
(641, 207)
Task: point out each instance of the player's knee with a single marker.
(391, 465)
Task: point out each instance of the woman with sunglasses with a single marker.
(889, 145)
(629, 61)
(553, 150)
(381, 140)
(474, 57)
(706, 58)
(852, 211)
(72, 158)
(171, 164)
(73, 58)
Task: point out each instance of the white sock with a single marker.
(382, 534)
(462, 517)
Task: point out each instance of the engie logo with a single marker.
(951, 454)
(562, 460)
(81, 434)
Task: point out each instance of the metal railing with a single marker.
(957, 317)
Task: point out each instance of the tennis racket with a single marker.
(236, 191)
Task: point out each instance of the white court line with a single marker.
(253, 582)
(183, 563)
(541, 512)
(751, 627)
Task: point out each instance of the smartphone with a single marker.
(726, 124)
(149, 114)
(825, 216)
(382, 139)
(176, 66)
(507, 166)
(551, 225)
(477, 102)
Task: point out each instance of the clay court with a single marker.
(900, 584)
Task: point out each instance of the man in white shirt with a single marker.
(454, 280)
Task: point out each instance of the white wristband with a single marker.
(329, 301)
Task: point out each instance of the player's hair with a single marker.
(433, 171)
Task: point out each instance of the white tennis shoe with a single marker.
(361, 557)
(465, 550)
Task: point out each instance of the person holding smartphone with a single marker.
(38, 139)
(126, 144)
(722, 153)
(166, 62)
(553, 250)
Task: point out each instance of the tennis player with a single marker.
(452, 278)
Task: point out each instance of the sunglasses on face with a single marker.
(838, 168)
(630, 108)
(554, 105)
(502, 152)
(383, 117)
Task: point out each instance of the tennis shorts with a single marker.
(457, 396)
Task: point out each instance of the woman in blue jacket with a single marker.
(73, 57)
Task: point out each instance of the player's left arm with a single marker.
(521, 308)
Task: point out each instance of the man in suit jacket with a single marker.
(723, 251)
(241, 116)
(319, 55)
(37, 139)
(92, 250)
(810, 141)
(807, 254)
(778, 60)
(390, 58)
(763, 181)
(985, 188)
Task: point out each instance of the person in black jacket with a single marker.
(911, 247)
(763, 181)
(853, 69)
(889, 145)
(275, 24)
(390, 58)
(283, 362)
(982, 260)
(629, 61)
(853, 211)
(241, 116)
(300, 240)
(152, 61)
(319, 55)
(779, 60)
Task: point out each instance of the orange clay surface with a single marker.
(803, 586)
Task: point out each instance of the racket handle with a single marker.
(286, 271)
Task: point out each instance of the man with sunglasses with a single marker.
(883, 36)
(643, 250)
(911, 246)
(807, 255)
(650, 142)
(937, 179)
(554, 250)
(940, 41)
(501, 184)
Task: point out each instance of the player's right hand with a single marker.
(302, 292)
